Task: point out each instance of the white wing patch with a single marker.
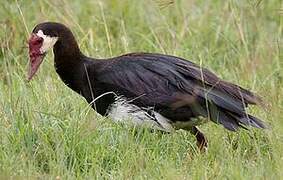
(123, 111)
(48, 42)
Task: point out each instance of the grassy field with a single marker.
(48, 131)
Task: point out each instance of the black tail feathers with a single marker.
(232, 122)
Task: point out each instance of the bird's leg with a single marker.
(202, 142)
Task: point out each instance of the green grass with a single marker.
(48, 131)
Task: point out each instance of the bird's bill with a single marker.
(34, 64)
(35, 55)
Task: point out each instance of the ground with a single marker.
(48, 131)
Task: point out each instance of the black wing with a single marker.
(178, 89)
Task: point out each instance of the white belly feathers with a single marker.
(123, 111)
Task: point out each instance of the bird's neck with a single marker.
(68, 60)
(66, 51)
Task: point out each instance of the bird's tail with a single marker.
(232, 122)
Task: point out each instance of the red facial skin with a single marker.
(36, 57)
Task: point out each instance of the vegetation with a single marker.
(48, 131)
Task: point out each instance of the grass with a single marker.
(49, 132)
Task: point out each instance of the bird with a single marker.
(157, 91)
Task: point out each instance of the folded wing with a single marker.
(180, 89)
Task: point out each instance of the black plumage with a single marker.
(173, 87)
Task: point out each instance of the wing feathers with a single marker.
(160, 77)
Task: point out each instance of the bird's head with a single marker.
(43, 37)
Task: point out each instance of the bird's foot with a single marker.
(202, 142)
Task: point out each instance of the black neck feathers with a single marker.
(68, 59)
